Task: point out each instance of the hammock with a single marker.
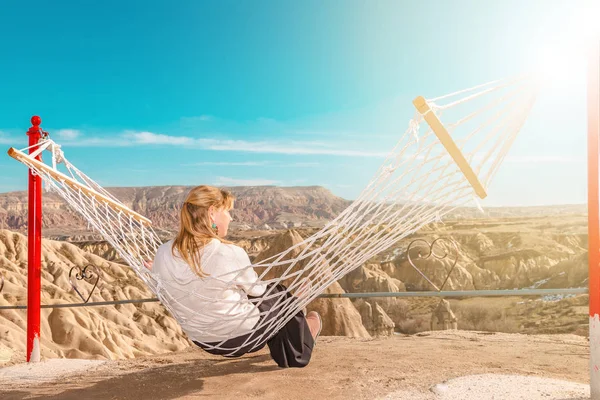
(433, 169)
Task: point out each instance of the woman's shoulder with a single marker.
(165, 248)
(170, 265)
(219, 257)
(227, 249)
(213, 250)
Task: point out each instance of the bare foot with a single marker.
(314, 323)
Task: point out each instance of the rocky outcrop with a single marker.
(443, 318)
(493, 254)
(374, 318)
(491, 261)
(254, 246)
(100, 248)
(370, 278)
(577, 242)
(340, 317)
(374, 311)
(437, 269)
(109, 332)
(572, 272)
(481, 243)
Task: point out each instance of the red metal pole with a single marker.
(594, 217)
(34, 250)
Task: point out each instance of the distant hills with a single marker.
(256, 208)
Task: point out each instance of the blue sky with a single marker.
(285, 93)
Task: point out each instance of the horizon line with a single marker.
(315, 186)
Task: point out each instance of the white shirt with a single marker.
(216, 307)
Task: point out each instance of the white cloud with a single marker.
(157, 138)
(345, 134)
(130, 138)
(253, 164)
(312, 143)
(227, 181)
(73, 137)
(301, 164)
(280, 148)
(67, 134)
(99, 142)
(226, 163)
(7, 139)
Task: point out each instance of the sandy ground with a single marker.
(440, 365)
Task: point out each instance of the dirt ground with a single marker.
(341, 368)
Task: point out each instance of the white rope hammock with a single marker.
(433, 169)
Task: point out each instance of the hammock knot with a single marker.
(414, 125)
(60, 156)
(388, 170)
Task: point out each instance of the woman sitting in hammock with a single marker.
(221, 305)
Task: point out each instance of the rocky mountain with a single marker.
(495, 253)
(121, 331)
(548, 252)
(340, 317)
(541, 247)
(263, 208)
(518, 212)
(256, 207)
(490, 254)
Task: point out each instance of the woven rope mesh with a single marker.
(418, 183)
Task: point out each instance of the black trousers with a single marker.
(290, 347)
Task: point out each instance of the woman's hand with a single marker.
(148, 264)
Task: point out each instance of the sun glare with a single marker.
(563, 53)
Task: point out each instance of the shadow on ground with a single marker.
(163, 382)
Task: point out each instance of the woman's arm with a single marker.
(247, 279)
(230, 263)
(249, 283)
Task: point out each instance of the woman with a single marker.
(219, 302)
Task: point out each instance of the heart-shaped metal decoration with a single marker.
(86, 274)
(431, 252)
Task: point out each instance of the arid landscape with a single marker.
(512, 248)
(411, 177)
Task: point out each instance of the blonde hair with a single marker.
(195, 228)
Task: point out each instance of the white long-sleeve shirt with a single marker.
(216, 307)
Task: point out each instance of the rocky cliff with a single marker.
(121, 331)
(256, 207)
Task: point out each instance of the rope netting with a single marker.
(419, 182)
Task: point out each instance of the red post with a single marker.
(34, 250)
(594, 217)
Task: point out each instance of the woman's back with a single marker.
(214, 307)
(207, 288)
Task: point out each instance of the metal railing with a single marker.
(458, 293)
